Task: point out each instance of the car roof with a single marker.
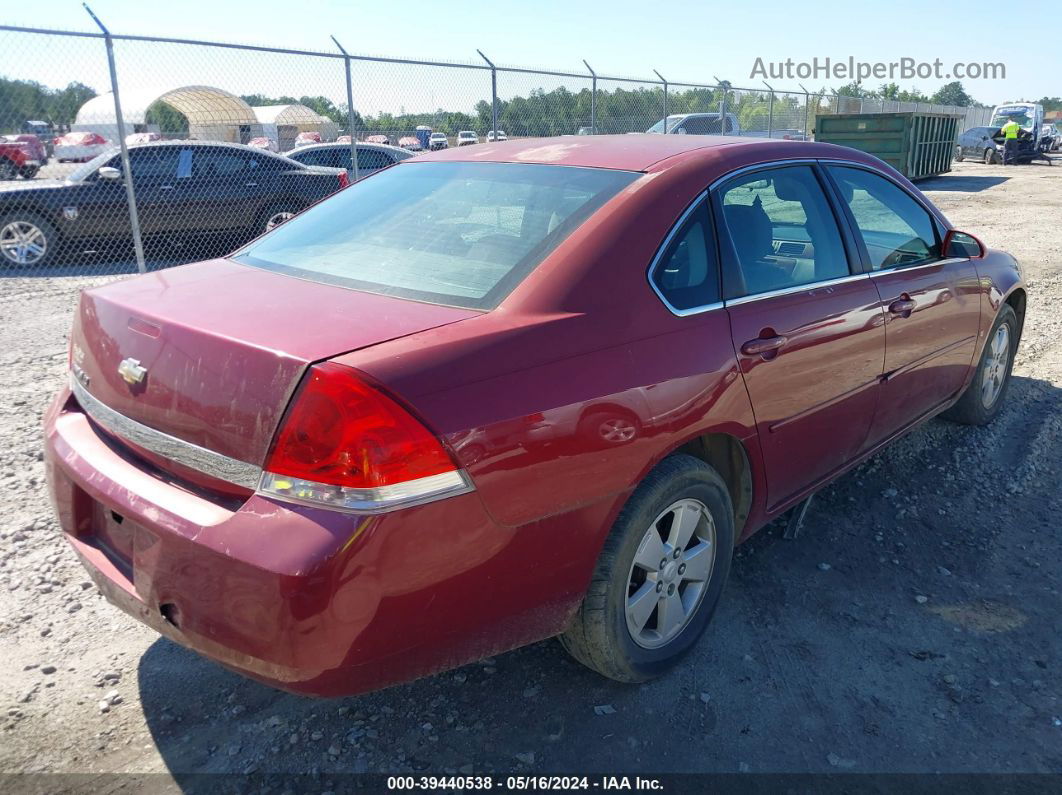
(637, 152)
(333, 144)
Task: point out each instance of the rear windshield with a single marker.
(461, 234)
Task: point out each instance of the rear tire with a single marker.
(983, 398)
(625, 628)
(29, 172)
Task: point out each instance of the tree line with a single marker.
(539, 113)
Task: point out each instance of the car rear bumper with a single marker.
(305, 599)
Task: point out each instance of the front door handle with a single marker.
(762, 346)
(250, 184)
(165, 187)
(904, 307)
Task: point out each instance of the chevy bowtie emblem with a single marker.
(131, 371)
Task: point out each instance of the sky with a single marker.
(685, 40)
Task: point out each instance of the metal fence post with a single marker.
(770, 109)
(353, 170)
(725, 85)
(664, 81)
(127, 174)
(593, 99)
(493, 93)
(807, 107)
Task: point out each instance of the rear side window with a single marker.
(372, 159)
(895, 228)
(461, 234)
(687, 275)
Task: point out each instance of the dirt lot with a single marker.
(913, 627)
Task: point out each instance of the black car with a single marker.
(200, 193)
(977, 143)
(371, 156)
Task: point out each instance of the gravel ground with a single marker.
(912, 627)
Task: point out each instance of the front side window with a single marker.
(895, 228)
(782, 231)
(154, 162)
(687, 275)
(460, 234)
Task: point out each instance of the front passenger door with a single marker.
(806, 328)
(932, 305)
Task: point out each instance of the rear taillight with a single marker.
(347, 445)
(344, 179)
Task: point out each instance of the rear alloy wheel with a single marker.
(983, 398)
(26, 241)
(959, 156)
(659, 576)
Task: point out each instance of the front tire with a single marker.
(276, 214)
(959, 156)
(983, 399)
(990, 157)
(659, 576)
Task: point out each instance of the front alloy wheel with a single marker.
(23, 243)
(996, 366)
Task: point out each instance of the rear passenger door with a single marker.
(932, 304)
(806, 326)
(226, 181)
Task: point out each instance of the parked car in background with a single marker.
(467, 137)
(263, 142)
(371, 157)
(411, 143)
(500, 136)
(21, 158)
(79, 147)
(378, 139)
(697, 124)
(133, 139)
(788, 134)
(656, 347)
(586, 130)
(438, 141)
(977, 143)
(199, 193)
(307, 138)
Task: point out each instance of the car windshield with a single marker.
(459, 234)
(1021, 117)
(87, 169)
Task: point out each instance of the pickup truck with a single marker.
(20, 158)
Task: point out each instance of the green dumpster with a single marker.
(915, 144)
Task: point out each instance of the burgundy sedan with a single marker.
(500, 393)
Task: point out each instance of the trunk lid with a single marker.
(224, 346)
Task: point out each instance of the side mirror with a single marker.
(962, 244)
(109, 172)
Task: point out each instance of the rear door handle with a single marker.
(763, 345)
(904, 306)
(165, 187)
(250, 184)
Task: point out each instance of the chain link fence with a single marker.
(130, 153)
